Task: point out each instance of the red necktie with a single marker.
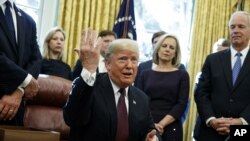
(122, 118)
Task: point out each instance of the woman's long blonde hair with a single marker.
(48, 37)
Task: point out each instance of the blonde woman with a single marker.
(53, 52)
(168, 88)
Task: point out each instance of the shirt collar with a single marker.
(101, 58)
(116, 88)
(243, 52)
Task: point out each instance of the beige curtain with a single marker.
(210, 23)
(244, 5)
(76, 15)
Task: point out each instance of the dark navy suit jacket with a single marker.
(91, 112)
(17, 59)
(216, 96)
(77, 69)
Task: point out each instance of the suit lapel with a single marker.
(20, 32)
(226, 62)
(4, 26)
(244, 70)
(132, 118)
(108, 96)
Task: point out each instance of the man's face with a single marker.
(239, 27)
(122, 67)
(106, 40)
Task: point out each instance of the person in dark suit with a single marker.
(222, 102)
(219, 45)
(93, 107)
(20, 61)
(107, 37)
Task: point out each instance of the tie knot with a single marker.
(8, 4)
(238, 54)
(122, 91)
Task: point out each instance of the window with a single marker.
(172, 16)
(44, 13)
(31, 7)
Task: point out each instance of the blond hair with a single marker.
(122, 44)
(48, 37)
(177, 59)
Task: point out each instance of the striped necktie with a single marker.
(237, 67)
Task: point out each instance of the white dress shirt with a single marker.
(90, 80)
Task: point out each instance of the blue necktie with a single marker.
(9, 20)
(237, 67)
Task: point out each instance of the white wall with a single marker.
(48, 18)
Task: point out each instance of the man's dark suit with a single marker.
(18, 59)
(91, 112)
(217, 97)
(77, 69)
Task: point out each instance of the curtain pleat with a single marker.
(77, 15)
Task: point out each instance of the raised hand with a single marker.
(90, 50)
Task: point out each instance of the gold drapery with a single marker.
(77, 15)
(211, 19)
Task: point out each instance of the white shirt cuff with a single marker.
(244, 122)
(208, 120)
(21, 89)
(88, 77)
(26, 81)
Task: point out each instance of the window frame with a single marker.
(47, 15)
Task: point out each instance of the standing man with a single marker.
(105, 106)
(107, 37)
(223, 95)
(20, 61)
